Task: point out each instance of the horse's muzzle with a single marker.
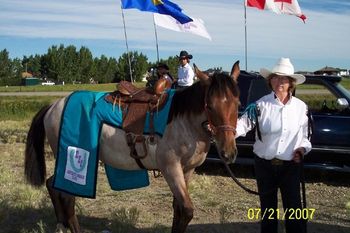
(228, 157)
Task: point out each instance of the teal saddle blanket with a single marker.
(77, 159)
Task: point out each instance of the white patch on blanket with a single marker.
(76, 166)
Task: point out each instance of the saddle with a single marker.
(135, 103)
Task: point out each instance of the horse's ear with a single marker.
(235, 71)
(202, 76)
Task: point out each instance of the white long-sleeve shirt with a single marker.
(283, 128)
(185, 75)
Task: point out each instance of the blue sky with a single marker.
(31, 27)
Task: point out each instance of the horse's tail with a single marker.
(34, 163)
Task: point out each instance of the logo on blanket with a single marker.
(76, 166)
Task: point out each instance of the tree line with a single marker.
(69, 65)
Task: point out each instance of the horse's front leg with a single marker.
(182, 204)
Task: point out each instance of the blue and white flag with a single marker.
(164, 7)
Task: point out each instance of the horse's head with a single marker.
(221, 107)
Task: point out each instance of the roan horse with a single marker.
(182, 148)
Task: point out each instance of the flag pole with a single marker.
(127, 46)
(245, 37)
(156, 35)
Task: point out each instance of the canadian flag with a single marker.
(290, 7)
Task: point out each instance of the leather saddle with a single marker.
(135, 103)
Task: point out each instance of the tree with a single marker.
(10, 71)
(139, 66)
(5, 67)
(32, 64)
(16, 72)
(53, 63)
(85, 65)
(61, 64)
(71, 64)
(106, 69)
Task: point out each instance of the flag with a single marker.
(290, 7)
(195, 27)
(164, 7)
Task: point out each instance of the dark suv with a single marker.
(328, 103)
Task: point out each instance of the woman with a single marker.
(281, 142)
(185, 74)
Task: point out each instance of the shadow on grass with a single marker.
(253, 227)
(43, 220)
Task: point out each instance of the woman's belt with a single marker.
(275, 161)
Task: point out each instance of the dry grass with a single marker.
(13, 131)
(220, 205)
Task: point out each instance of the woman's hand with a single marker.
(298, 154)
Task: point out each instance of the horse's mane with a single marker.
(191, 99)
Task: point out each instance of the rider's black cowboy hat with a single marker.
(184, 54)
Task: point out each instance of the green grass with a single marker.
(67, 87)
(315, 102)
(96, 87)
(22, 107)
(346, 83)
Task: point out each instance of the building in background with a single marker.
(327, 70)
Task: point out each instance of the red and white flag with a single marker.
(290, 7)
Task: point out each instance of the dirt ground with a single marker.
(220, 205)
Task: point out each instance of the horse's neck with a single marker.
(190, 125)
(187, 133)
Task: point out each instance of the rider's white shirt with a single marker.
(283, 128)
(185, 75)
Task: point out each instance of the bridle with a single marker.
(214, 129)
(210, 127)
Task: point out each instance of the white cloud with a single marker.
(323, 39)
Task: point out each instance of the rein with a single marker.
(238, 182)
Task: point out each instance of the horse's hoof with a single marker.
(60, 228)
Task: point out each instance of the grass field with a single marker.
(220, 205)
(22, 107)
(93, 87)
(67, 87)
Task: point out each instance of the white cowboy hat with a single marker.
(283, 67)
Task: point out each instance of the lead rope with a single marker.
(238, 182)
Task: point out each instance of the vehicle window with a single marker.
(317, 97)
(258, 88)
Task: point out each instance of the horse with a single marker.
(213, 100)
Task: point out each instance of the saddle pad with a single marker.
(78, 146)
